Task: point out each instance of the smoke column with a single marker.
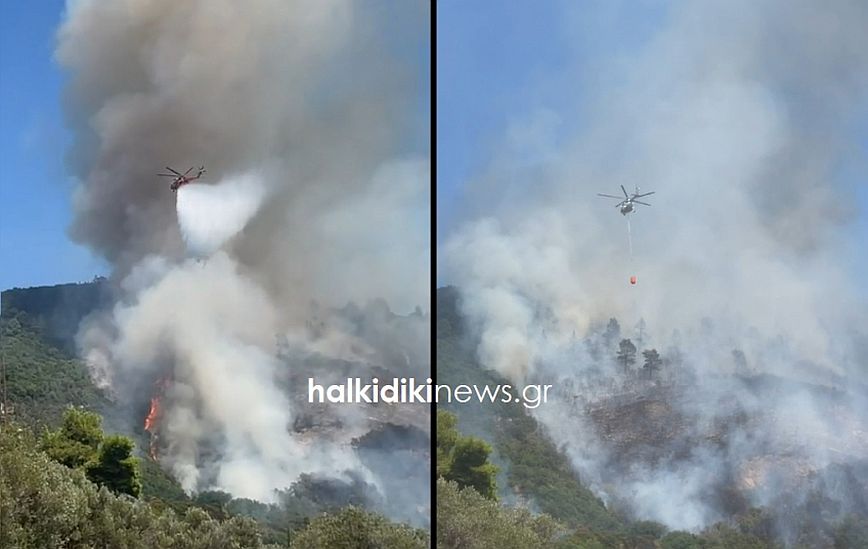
(742, 117)
(306, 115)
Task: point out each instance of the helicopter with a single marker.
(181, 179)
(626, 205)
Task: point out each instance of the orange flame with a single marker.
(153, 411)
(154, 415)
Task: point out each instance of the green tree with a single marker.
(464, 459)
(76, 442)
(470, 466)
(653, 362)
(626, 354)
(356, 528)
(116, 468)
(79, 443)
(447, 436)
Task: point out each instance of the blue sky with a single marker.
(487, 60)
(35, 192)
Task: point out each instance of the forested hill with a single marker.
(37, 341)
(42, 379)
(56, 310)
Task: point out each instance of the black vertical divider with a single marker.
(433, 291)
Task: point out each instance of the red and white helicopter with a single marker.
(182, 179)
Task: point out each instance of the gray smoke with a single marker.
(301, 112)
(740, 115)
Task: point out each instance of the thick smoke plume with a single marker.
(742, 116)
(301, 112)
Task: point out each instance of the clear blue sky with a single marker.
(34, 189)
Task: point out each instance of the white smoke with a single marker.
(209, 215)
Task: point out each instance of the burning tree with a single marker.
(154, 415)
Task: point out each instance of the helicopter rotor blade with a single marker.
(173, 171)
(189, 170)
(609, 196)
(627, 196)
(640, 202)
(643, 194)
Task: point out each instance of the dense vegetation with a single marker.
(45, 503)
(353, 527)
(469, 520)
(56, 311)
(42, 380)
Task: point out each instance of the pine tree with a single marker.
(626, 354)
(652, 361)
(116, 468)
(464, 459)
(76, 442)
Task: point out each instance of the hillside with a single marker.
(533, 467)
(654, 434)
(44, 377)
(56, 311)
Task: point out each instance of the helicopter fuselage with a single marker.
(628, 203)
(181, 179)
